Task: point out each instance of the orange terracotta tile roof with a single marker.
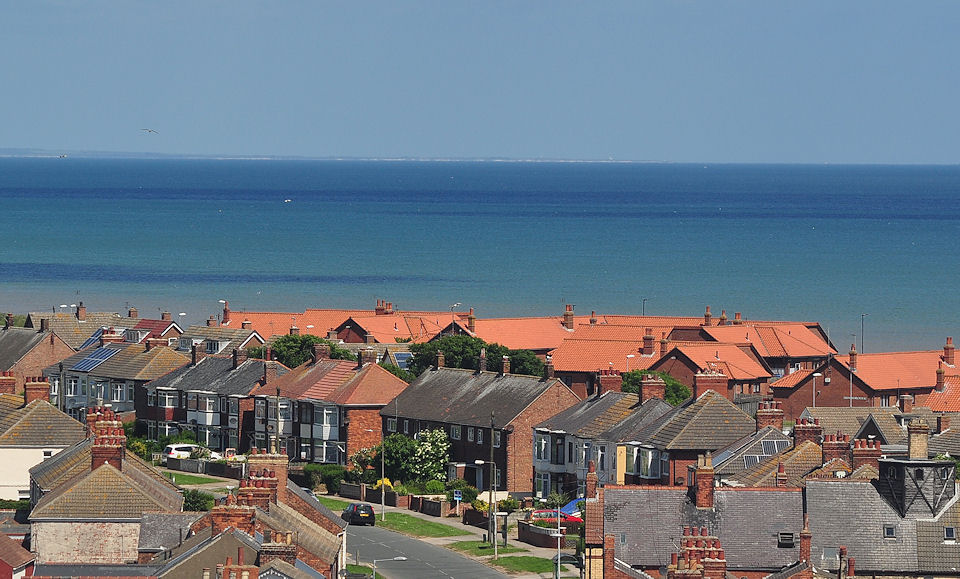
(544, 333)
(792, 379)
(949, 399)
(371, 386)
(897, 370)
(337, 381)
(576, 355)
(620, 332)
(318, 322)
(385, 329)
(730, 359)
(774, 340)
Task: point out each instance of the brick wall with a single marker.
(102, 542)
(313, 514)
(360, 421)
(47, 352)
(520, 442)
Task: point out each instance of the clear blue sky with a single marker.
(850, 81)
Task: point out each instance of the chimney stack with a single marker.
(225, 319)
(866, 452)
(482, 363)
(211, 321)
(781, 477)
(439, 359)
(506, 365)
(948, 351)
(246, 325)
(132, 312)
(917, 435)
(707, 317)
(568, 317)
(278, 545)
(367, 356)
(269, 372)
(36, 388)
(197, 353)
(737, 320)
(723, 318)
(166, 316)
(940, 375)
(652, 386)
(109, 440)
(703, 381)
(806, 429)
(943, 423)
(593, 318)
(853, 357)
(81, 312)
(592, 480)
(9, 323)
(8, 383)
(647, 342)
(836, 446)
(369, 339)
(471, 322)
(805, 539)
(321, 351)
(906, 403)
(239, 357)
(769, 414)
(664, 342)
(703, 484)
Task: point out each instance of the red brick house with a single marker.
(744, 371)
(26, 352)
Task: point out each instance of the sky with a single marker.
(751, 82)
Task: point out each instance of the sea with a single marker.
(868, 251)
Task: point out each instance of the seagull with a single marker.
(150, 131)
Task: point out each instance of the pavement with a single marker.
(475, 533)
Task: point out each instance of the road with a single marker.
(424, 561)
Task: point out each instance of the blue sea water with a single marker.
(816, 243)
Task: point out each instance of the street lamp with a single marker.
(452, 322)
(861, 331)
(628, 361)
(375, 561)
(643, 306)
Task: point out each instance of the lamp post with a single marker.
(375, 561)
(453, 324)
(815, 376)
(861, 332)
(643, 306)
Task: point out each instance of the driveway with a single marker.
(424, 561)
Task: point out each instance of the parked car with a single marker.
(359, 514)
(178, 451)
(550, 515)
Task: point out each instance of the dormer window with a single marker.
(889, 532)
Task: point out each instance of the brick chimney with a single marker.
(151, 343)
(246, 325)
(367, 356)
(702, 483)
(647, 349)
(44, 325)
(273, 470)
(806, 538)
(853, 357)
(723, 318)
(592, 480)
(197, 353)
(81, 312)
(714, 563)
(211, 321)
(321, 351)
(132, 312)
(948, 351)
(737, 320)
(593, 318)
(166, 316)
(769, 414)
(866, 452)
(836, 446)
(806, 429)
(664, 344)
(230, 513)
(652, 386)
(943, 423)
(609, 381)
(267, 353)
(111, 336)
(9, 322)
(482, 361)
(238, 570)
(294, 330)
(506, 365)
(917, 434)
(781, 477)
(568, 317)
(226, 313)
(380, 309)
(851, 567)
(269, 372)
(36, 388)
(906, 403)
(703, 381)
(278, 546)
(471, 322)
(439, 359)
(109, 441)
(239, 357)
(940, 374)
(707, 317)
(8, 383)
(548, 371)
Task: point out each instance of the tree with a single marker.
(405, 375)
(194, 500)
(463, 351)
(293, 350)
(676, 392)
(399, 456)
(432, 455)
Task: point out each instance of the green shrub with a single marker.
(468, 491)
(434, 487)
(508, 505)
(330, 475)
(479, 504)
(545, 524)
(15, 505)
(194, 500)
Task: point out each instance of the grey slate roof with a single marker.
(237, 337)
(641, 420)
(38, 424)
(208, 552)
(217, 374)
(458, 396)
(79, 570)
(75, 332)
(159, 531)
(15, 343)
(860, 421)
(280, 569)
(593, 415)
(310, 536)
(317, 505)
(647, 523)
(705, 423)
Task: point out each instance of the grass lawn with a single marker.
(410, 525)
(527, 564)
(182, 478)
(482, 548)
(335, 505)
(351, 568)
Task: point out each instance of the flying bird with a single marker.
(150, 131)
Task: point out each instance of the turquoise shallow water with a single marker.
(823, 243)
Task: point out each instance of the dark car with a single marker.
(359, 514)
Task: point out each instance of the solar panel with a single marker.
(769, 447)
(782, 444)
(402, 359)
(750, 460)
(92, 339)
(94, 359)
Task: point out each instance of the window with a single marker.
(631, 460)
(392, 425)
(151, 430)
(260, 408)
(234, 405)
(885, 401)
(602, 457)
(569, 451)
(498, 472)
(118, 393)
(72, 383)
(327, 416)
(918, 474)
(191, 401)
(328, 451)
(212, 346)
(48, 453)
(543, 484)
(785, 540)
(469, 434)
(496, 439)
(949, 534)
(664, 465)
(151, 398)
(479, 436)
(168, 399)
(130, 392)
(454, 430)
(889, 532)
(540, 444)
(209, 404)
(406, 426)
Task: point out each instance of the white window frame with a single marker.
(454, 432)
(118, 392)
(168, 399)
(479, 436)
(469, 434)
(73, 384)
(391, 424)
(496, 439)
(540, 443)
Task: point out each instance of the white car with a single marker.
(178, 451)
